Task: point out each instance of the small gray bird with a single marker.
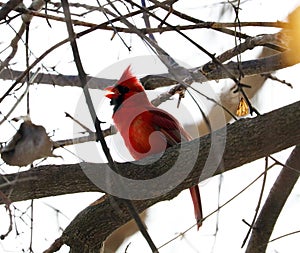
(31, 142)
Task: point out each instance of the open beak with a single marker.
(112, 92)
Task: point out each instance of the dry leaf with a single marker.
(243, 108)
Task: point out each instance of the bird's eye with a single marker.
(122, 89)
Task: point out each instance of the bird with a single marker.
(30, 142)
(146, 129)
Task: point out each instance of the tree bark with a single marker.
(246, 140)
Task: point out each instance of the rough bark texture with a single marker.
(246, 140)
(44, 181)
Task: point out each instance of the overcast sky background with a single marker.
(170, 218)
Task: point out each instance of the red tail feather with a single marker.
(195, 194)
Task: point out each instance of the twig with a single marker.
(5, 117)
(79, 123)
(274, 78)
(251, 227)
(147, 20)
(216, 210)
(198, 21)
(188, 77)
(31, 81)
(31, 227)
(55, 246)
(14, 43)
(20, 78)
(127, 247)
(7, 203)
(205, 118)
(27, 65)
(14, 47)
(285, 235)
(220, 179)
(248, 44)
(278, 195)
(90, 137)
(113, 27)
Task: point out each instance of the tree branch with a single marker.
(278, 195)
(252, 67)
(252, 133)
(8, 7)
(148, 29)
(247, 140)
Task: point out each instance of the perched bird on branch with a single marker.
(31, 142)
(145, 129)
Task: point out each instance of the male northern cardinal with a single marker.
(146, 129)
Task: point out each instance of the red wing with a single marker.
(169, 126)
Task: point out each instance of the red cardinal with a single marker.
(146, 129)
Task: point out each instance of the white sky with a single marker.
(166, 219)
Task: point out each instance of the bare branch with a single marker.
(90, 137)
(249, 44)
(55, 246)
(198, 21)
(8, 7)
(207, 72)
(252, 67)
(14, 47)
(278, 195)
(148, 29)
(7, 203)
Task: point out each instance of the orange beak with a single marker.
(112, 92)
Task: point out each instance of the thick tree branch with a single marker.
(261, 136)
(247, 140)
